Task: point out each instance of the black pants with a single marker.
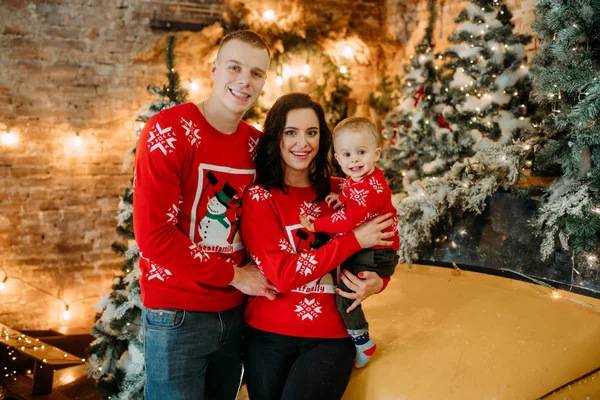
(282, 367)
(382, 261)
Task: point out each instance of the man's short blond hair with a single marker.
(248, 37)
(357, 124)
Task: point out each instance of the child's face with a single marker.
(357, 152)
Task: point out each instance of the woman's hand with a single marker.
(371, 233)
(364, 285)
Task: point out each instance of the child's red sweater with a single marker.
(285, 252)
(362, 201)
(189, 180)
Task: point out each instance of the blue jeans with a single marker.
(192, 355)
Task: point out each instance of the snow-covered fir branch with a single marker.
(463, 189)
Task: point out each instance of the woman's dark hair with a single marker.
(269, 165)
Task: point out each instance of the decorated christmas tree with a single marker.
(409, 129)
(566, 72)
(488, 128)
(116, 356)
(485, 84)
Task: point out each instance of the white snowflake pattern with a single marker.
(395, 224)
(376, 185)
(367, 217)
(359, 196)
(339, 215)
(161, 139)
(257, 262)
(310, 210)
(158, 272)
(259, 193)
(197, 252)
(306, 264)
(285, 246)
(172, 213)
(344, 184)
(191, 132)
(252, 145)
(308, 309)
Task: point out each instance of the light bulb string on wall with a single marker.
(66, 312)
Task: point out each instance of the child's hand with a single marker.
(306, 223)
(332, 200)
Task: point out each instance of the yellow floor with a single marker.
(444, 334)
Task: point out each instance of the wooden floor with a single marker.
(447, 334)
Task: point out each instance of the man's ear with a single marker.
(213, 70)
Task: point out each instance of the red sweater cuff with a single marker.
(386, 280)
(351, 241)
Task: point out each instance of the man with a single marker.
(192, 165)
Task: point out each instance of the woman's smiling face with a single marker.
(299, 141)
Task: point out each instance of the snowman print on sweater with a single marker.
(215, 228)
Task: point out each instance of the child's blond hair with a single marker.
(357, 124)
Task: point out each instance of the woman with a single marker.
(297, 346)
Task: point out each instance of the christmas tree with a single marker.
(485, 84)
(566, 71)
(116, 356)
(410, 128)
(486, 129)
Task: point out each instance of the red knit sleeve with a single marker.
(161, 154)
(357, 201)
(386, 281)
(266, 241)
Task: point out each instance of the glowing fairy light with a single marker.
(78, 141)
(348, 52)
(269, 15)
(287, 71)
(9, 138)
(306, 70)
(66, 313)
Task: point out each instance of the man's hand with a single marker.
(306, 223)
(249, 280)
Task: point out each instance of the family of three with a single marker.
(252, 256)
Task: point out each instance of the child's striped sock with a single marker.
(365, 347)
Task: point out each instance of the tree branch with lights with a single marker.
(566, 71)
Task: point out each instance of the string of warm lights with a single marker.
(66, 314)
(29, 343)
(10, 138)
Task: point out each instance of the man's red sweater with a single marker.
(188, 184)
(362, 201)
(296, 261)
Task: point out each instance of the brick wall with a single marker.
(80, 67)
(70, 67)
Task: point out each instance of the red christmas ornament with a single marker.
(442, 122)
(419, 95)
